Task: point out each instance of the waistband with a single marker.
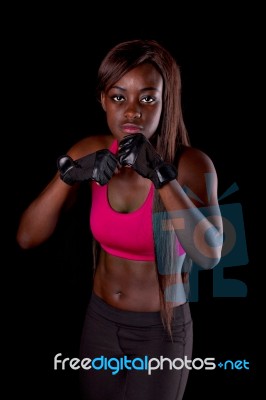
(181, 314)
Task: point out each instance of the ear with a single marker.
(103, 99)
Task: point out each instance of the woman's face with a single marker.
(134, 103)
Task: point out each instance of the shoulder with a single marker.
(194, 158)
(193, 163)
(89, 145)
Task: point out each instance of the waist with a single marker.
(181, 313)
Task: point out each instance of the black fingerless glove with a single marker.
(98, 166)
(136, 151)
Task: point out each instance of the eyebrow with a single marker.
(142, 90)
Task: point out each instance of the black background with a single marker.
(52, 64)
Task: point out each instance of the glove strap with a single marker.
(65, 164)
(164, 174)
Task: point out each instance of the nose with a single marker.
(132, 112)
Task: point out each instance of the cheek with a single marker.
(113, 113)
(113, 118)
(154, 117)
(110, 115)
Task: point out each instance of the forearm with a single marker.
(199, 230)
(39, 220)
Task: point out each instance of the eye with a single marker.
(118, 98)
(147, 99)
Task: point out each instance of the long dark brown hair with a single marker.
(171, 133)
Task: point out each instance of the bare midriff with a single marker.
(127, 284)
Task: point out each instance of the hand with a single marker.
(98, 166)
(137, 152)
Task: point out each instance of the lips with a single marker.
(131, 128)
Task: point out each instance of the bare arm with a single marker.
(194, 213)
(40, 219)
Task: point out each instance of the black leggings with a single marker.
(127, 335)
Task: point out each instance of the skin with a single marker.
(133, 105)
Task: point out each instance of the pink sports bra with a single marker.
(126, 235)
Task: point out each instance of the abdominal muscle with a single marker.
(127, 284)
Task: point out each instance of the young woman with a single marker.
(147, 229)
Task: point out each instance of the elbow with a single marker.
(24, 241)
(210, 251)
(210, 261)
